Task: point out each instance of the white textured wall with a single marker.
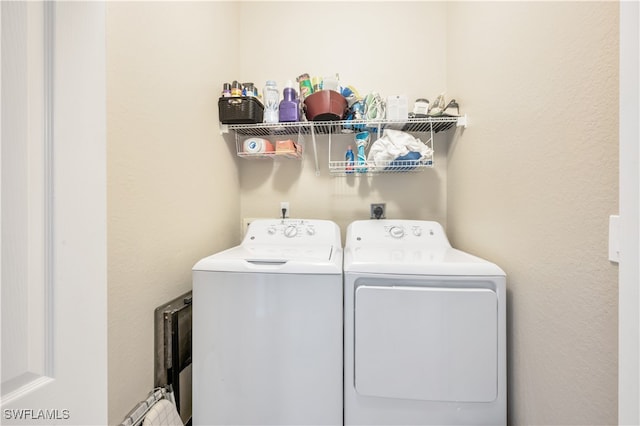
(388, 47)
(531, 185)
(173, 187)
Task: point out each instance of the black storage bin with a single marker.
(172, 366)
(240, 110)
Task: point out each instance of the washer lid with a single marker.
(298, 259)
(415, 260)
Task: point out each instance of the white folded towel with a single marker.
(394, 144)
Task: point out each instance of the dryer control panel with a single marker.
(404, 232)
(292, 231)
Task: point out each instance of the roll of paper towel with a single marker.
(257, 145)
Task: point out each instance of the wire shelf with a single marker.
(413, 125)
(289, 149)
(296, 155)
(426, 125)
(344, 168)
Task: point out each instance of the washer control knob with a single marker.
(396, 232)
(271, 230)
(417, 231)
(290, 231)
(311, 230)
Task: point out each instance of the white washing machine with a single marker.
(425, 335)
(267, 328)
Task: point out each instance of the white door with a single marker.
(53, 213)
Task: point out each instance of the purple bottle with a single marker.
(290, 106)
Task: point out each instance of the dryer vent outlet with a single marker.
(378, 211)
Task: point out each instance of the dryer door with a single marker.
(426, 343)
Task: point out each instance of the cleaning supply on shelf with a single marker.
(331, 82)
(421, 107)
(305, 85)
(226, 90)
(374, 107)
(271, 99)
(350, 160)
(257, 146)
(452, 109)
(236, 89)
(289, 109)
(288, 148)
(362, 141)
(438, 106)
(249, 89)
(397, 107)
(316, 83)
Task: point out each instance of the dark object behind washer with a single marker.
(172, 364)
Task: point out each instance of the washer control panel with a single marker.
(292, 231)
(397, 232)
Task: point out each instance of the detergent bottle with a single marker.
(289, 109)
(350, 159)
(290, 104)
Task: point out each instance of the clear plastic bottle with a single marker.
(271, 98)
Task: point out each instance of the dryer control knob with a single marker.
(417, 231)
(311, 231)
(290, 231)
(396, 232)
(271, 230)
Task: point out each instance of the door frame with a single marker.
(629, 269)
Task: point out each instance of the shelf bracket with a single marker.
(315, 150)
(462, 121)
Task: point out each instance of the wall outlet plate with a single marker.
(284, 205)
(378, 211)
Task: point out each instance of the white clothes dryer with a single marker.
(267, 328)
(425, 332)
